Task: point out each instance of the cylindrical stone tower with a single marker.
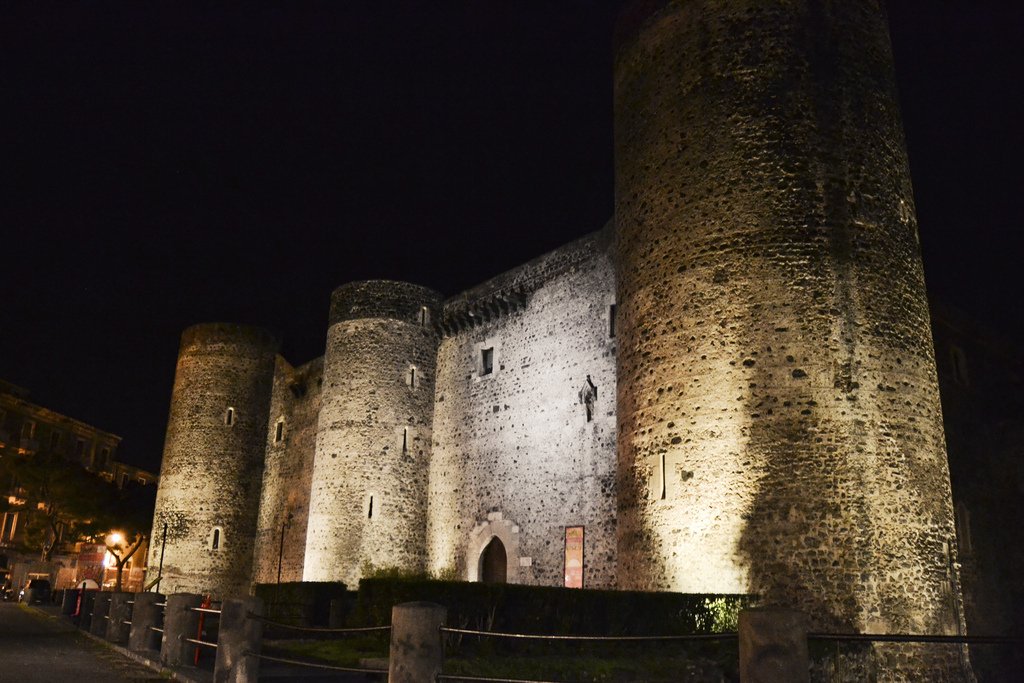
(369, 491)
(779, 422)
(213, 461)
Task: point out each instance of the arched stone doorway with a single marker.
(494, 562)
(506, 532)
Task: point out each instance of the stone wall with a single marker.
(288, 472)
(514, 455)
(213, 460)
(779, 422)
(369, 488)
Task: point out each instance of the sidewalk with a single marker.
(269, 671)
(149, 660)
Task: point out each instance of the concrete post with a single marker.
(238, 642)
(773, 646)
(100, 610)
(69, 602)
(417, 649)
(85, 610)
(145, 617)
(179, 623)
(120, 611)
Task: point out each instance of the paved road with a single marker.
(35, 648)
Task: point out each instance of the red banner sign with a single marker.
(574, 557)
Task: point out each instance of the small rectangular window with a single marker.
(10, 526)
(611, 321)
(54, 441)
(412, 378)
(104, 457)
(124, 479)
(405, 440)
(229, 417)
(79, 448)
(28, 429)
(487, 361)
(369, 509)
(279, 431)
(424, 315)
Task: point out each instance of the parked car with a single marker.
(36, 590)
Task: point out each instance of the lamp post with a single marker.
(280, 551)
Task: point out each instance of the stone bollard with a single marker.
(146, 616)
(85, 609)
(238, 641)
(773, 646)
(417, 648)
(69, 602)
(120, 611)
(179, 623)
(100, 610)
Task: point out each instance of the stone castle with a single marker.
(731, 387)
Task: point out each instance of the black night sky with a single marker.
(165, 165)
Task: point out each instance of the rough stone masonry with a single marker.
(731, 387)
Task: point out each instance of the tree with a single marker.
(60, 500)
(130, 519)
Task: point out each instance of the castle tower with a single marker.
(779, 422)
(369, 491)
(213, 460)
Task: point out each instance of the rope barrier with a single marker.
(317, 629)
(330, 667)
(528, 636)
(453, 677)
(201, 642)
(204, 610)
(908, 638)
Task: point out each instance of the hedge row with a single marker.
(536, 609)
(302, 603)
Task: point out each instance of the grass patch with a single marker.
(585, 668)
(339, 651)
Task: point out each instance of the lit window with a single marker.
(10, 525)
(487, 361)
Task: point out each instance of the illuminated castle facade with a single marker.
(731, 387)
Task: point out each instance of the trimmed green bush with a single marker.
(536, 609)
(301, 603)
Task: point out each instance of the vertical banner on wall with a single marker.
(574, 557)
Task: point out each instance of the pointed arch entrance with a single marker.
(494, 562)
(493, 540)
